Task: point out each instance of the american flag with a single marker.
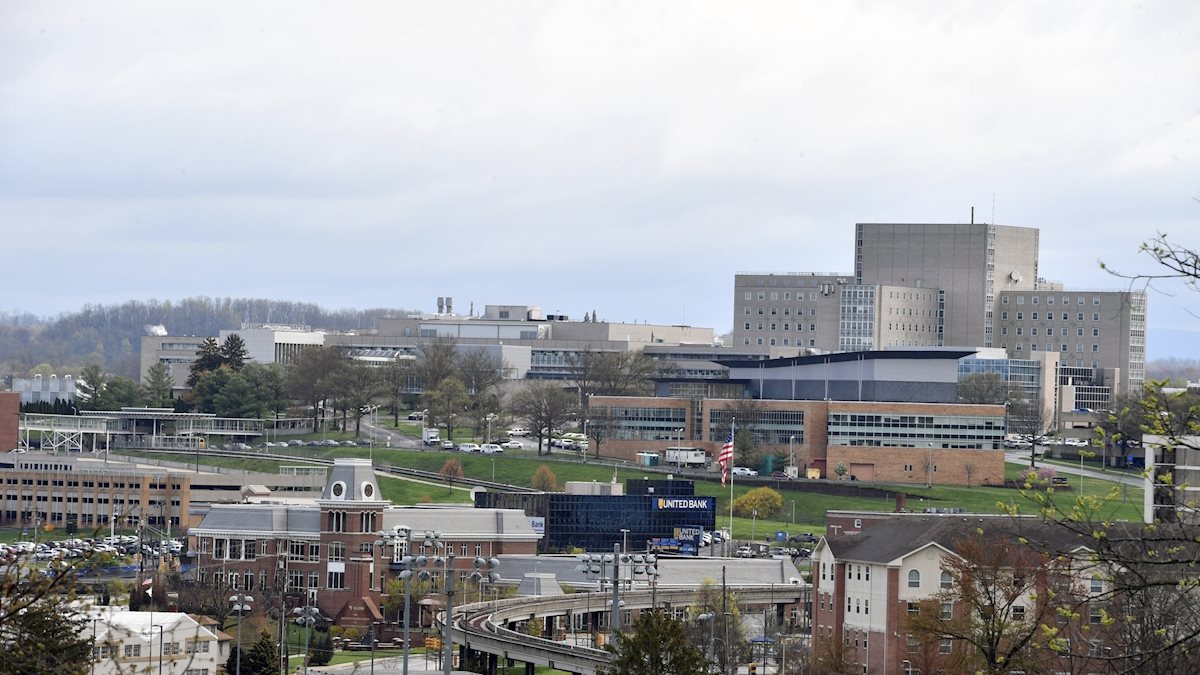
(726, 458)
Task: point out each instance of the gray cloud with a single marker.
(623, 157)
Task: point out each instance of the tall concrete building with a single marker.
(783, 314)
(1089, 329)
(969, 263)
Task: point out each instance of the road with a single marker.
(1022, 457)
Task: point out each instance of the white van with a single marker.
(491, 449)
(518, 431)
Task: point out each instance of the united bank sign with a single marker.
(684, 503)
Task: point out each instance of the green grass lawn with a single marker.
(809, 509)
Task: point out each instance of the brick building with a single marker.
(10, 420)
(329, 550)
(889, 416)
(874, 574)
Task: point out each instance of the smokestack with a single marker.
(449, 305)
(972, 215)
(441, 305)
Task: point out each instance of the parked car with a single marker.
(447, 445)
(780, 475)
(744, 552)
(511, 445)
(491, 449)
(468, 447)
(743, 471)
(416, 416)
(803, 537)
(518, 431)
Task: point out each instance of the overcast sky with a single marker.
(622, 157)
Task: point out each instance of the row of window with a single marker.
(1033, 330)
(1066, 300)
(774, 311)
(1033, 316)
(786, 326)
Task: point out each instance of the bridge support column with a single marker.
(529, 669)
(492, 663)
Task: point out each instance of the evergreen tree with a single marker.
(233, 351)
(45, 638)
(260, 658)
(159, 384)
(90, 388)
(321, 651)
(656, 644)
(208, 359)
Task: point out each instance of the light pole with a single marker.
(433, 539)
(306, 616)
(489, 418)
(929, 468)
(241, 605)
(711, 651)
(754, 525)
(401, 536)
(160, 643)
(493, 469)
(792, 450)
(624, 540)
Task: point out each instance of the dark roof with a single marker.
(838, 357)
(884, 542)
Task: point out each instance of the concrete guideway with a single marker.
(483, 627)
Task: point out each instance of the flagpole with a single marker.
(732, 439)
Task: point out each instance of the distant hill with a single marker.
(110, 335)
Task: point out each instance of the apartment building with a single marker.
(874, 574)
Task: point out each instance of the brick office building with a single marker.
(328, 551)
(889, 416)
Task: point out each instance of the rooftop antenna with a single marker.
(993, 208)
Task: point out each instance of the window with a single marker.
(914, 579)
(337, 552)
(947, 611)
(132, 651)
(946, 581)
(1034, 300)
(1097, 585)
(911, 643)
(1033, 316)
(914, 608)
(945, 645)
(1018, 612)
(1095, 615)
(1095, 316)
(337, 580)
(1020, 316)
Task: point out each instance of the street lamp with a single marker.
(710, 652)
(792, 450)
(489, 418)
(241, 605)
(433, 539)
(484, 573)
(400, 537)
(624, 540)
(306, 616)
(493, 469)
